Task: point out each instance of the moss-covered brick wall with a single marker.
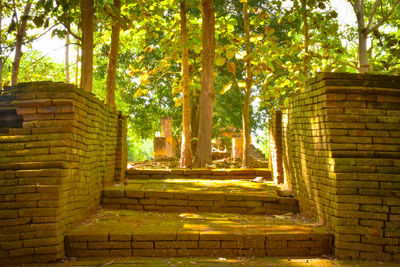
(341, 157)
(54, 166)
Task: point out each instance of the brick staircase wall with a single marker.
(54, 166)
(341, 157)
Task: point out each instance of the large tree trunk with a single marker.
(21, 31)
(186, 153)
(203, 152)
(67, 58)
(246, 104)
(113, 57)
(87, 16)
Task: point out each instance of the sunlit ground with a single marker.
(261, 262)
(204, 185)
(147, 223)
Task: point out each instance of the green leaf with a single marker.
(220, 61)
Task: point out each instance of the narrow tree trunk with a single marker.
(195, 121)
(113, 58)
(186, 153)
(363, 55)
(246, 104)
(77, 66)
(67, 41)
(1, 45)
(306, 60)
(87, 16)
(362, 39)
(21, 31)
(203, 152)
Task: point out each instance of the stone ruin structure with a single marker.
(59, 146)
(337, 147)
(164, 145)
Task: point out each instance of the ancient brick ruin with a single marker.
(339, 143)
(59, 147)
(336, 146)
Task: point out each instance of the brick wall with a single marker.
(341, 157)
(53, 167)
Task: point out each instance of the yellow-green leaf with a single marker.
(230, 54)
(226, 88)
(220, 61)
(178, 101)
(242, 84)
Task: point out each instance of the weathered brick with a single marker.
(358, 246)
(175, 244)
(171, 202)
(109, 245)
(209, 244)
(142, 244)
(134, 194)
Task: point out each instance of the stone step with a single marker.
(217, 174)
(194, 195)
(122, 233)
(256, 153)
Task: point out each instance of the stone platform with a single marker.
(204, 195)
(123, 233)
(167, 214)
(218, 174)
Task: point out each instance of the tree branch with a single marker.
(356, 6)
(40, 35)
(371, 16)
(71, 32)
(384, 19)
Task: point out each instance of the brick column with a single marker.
(275, 146)
(167, 130)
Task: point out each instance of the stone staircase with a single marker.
(256, 153)
(167, 213)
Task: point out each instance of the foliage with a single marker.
(35, 67)
(148, 71)
(139, 149)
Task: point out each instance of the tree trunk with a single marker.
(67, 58)
(246, 104)
(362, 39)
(113, 57)
(203, 152)
(1, 45)
(362, 52)
(306, 60)
(87, 16)
(186, 153)
(21, 31)
(195, 121)
(77, 66)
